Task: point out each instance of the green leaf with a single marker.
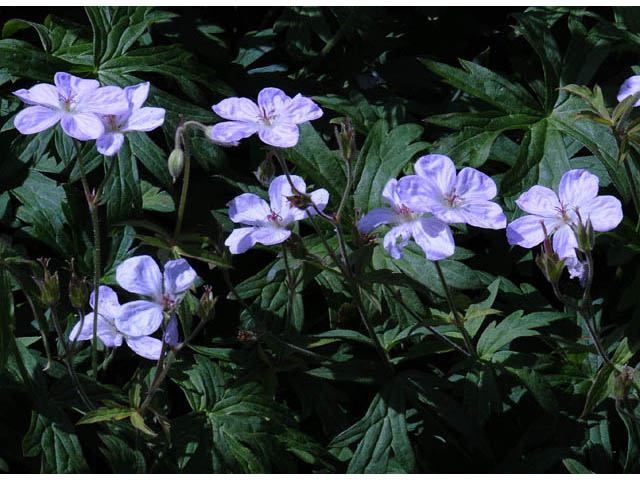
(384, 153)
(152, 157)
(202, 383)
(600, 390)
(6, 317)
(138, 422)
(154, 199)
(106, 414)
(21, 59)
(122, 194)
(538, 386)
(574, 466)
(120, 456)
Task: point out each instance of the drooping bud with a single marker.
(175, 164)
(207, 306)
(265, 172)
(49, 285)
(78, 291)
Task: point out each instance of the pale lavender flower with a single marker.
(136, 119)
(141, 275)
(275, 118)
(629, 87)
(269, 222)
(432, 235)
(109, 309)
(461, 198)
(76, 103)
(577, 200)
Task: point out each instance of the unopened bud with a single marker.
(207, 307)
(346, 137)
(584, 233)
(548, 261)
(49, 285)
(78, 291)
(622, 382)
(176, 163)
(265, 172)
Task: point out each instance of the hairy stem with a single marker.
(290, 293)
(458, 320)
(92, 201)
(185, 180)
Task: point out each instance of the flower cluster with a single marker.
(426, 203)
(136, 321)
(87, 111)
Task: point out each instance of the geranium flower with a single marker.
(432, 235)
(136, 119)
(461, 198)
(109, 309)
(141, 275)
(630, 86)
(269, 222)
(577, 200)
(275, 118)
(76, 103)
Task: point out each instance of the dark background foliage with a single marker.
(261, 406)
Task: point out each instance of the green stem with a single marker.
(185, 179)
(634, 192)
(347, 190)
(458, 320)
(92, 201)
(586, 309)
(290, 293)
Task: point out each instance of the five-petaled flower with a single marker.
(136, 119)
(109, 309)
(432, 235)
(461, 198)
(577, 201)
(275, 118)
(76, 103)
(141, 275)
(269, 222)
(629, 87)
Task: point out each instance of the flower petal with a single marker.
(139, 317)
(230, 132)
(279, 135)
(604, 211)
(319, 197)
(449, 214)
(105, 101)
(576, 187)
(83, 126)
(70, 85)
(140, 275)
(576, 269)
(137, 94)
(240, 240)
(433, 237)
(527, 231)
(237, 108)
(35, 119)
(484, 214)
(171, 335)
(280, 189)
(178, 276)
(439, 169)
(376, 217)
(629, 87)
(40, 94)
(472, 184)
(270, 236)
(110, 143)
(390, 194)
(539, 200)
(300, 109)
(272, 100)
(564, 242)
(418, 193)
(145, 346)
(145, 119)
(248, 208)
(390, 240)
(108, 304)
(84, 331)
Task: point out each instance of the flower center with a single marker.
(565, 215)
(168, 301)
(452, 199)
(274, 218)
(404, 210)
(268, 117)
(67, 102)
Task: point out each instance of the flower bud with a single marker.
(176, 163)
(207, 306)
(548, 261)
(584, 234)
(346, 137)
(78, 291)
(265, 172)
(49, 285)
